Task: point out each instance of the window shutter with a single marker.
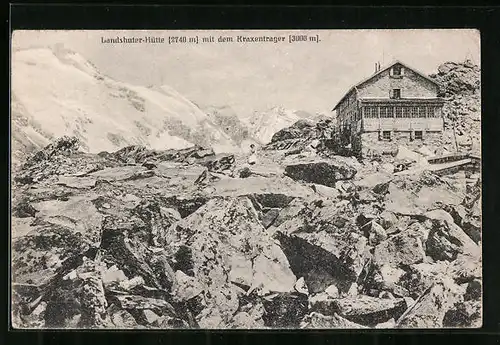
(391, 71)
(402, 70)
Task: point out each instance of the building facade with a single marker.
(397, 105)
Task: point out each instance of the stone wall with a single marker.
(372, 143)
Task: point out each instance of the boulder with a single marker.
(320, 172)
(335, 321)
(227, 243)
(150, 316)
(376, 234)
(122, 318)
(323, 259)
(332, 291)
(387, 219)
(284, 310)
(113, 274)
(466, 314)
(301, 287)
(24, 210)
(365, 310)
(474, 290)
(77, 299)
(430, 309)
(402, 249)
(421, 276)
(218, 163)
(129, 253)
(446, 240)
(414, 194)
(46, 251)
(465, 268)
(270, 216)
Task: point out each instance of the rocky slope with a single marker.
(57, 92)
(461, 86)
(141, 238)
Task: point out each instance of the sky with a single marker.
(309, 76)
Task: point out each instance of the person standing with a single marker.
(252, 159)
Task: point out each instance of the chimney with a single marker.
(376, 67)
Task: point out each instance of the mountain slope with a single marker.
(56, 92)
(263, 125)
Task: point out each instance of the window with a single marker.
(421, 112)
(430, 112)
(386, 135)
(406, 112)
(371, 112)
(387, 112)
(383, 111)
(398, 112)
(413, 112)
(396, 70)
(419, 135)
(396, 94)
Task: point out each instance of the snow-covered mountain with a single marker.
(57, 92)
(263, 125)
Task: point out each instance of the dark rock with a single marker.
(23, 210)
(285, 310)
(184, 260)
(129, 253)
(464, 315)
(446, 240)
(297, 130)
(307, 256)
(77, 300)
(156, 218)
(40, 254)
(203, 153)
(321, 172)
(245, 172)
(149, 165)
(273, 200)
(218, 163)
(364, 310)
(473, 291)
(269, 217)
(185, 206)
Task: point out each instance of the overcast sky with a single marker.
(256, 76)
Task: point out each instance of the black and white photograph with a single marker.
(245, 179)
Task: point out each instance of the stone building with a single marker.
(396, 105)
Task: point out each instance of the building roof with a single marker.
(379, 72)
